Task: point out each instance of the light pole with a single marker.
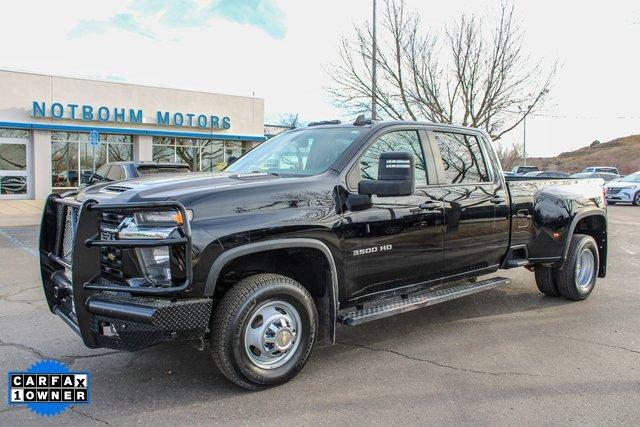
(373, 67)
(524, 140)
(524, 133)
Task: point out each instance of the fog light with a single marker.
(155, 265)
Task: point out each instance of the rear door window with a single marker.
(462, 158)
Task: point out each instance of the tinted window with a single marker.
(116, 173)
(405, 140)
(462, 158)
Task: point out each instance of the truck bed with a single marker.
(542, 211)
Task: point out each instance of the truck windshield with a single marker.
(301, 152)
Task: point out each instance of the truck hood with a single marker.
(173, 186)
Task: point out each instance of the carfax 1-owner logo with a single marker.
(48, 388)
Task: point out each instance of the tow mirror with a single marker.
(395, 176)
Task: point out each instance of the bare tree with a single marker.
(509, 156)
(474, 73)
(290, 120)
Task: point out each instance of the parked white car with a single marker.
(603, 169)
(626, 189)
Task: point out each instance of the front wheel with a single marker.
(577, 278)
(636, 199)
(263, 331)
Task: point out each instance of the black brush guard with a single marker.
(107, 314)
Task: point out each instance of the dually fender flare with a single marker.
(252, 248)
(574, 222)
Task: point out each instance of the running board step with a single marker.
(397, 306)
(514, 263)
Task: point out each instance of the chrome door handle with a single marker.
(496, 200)
(429, 205)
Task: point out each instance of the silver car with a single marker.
(626, 189)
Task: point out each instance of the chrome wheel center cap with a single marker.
(284, 339)
(271, 336)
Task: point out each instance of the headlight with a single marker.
(162, 218)
(155, 265)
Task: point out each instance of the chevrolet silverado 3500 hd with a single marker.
(331, 223)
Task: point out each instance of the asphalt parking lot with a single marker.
(508, 356)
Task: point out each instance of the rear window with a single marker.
(159, 169)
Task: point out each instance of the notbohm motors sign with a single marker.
(48, 388)
(101, 113)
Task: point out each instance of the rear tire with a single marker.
(577, 278)
(546, 280)
(263, 331)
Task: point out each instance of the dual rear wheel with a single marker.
(577, 278)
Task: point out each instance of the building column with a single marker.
(142, 148)
(41, 164)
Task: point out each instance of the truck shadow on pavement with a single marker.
(187, 372)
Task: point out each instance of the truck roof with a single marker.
(375, 125)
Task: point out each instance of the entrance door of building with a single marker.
(15, 168)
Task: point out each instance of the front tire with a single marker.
(577, 278)
(263, 331)
(636, 199)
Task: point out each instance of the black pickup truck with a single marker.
(324, 225)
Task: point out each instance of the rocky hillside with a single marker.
(623, 153)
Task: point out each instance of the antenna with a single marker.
(361, 121)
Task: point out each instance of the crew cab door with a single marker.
(398, 241)
(475, 202)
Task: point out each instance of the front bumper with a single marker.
(104, 313)
(623, 195)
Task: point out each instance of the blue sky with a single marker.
(262, 14)
(280, 50)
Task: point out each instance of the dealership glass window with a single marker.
(14, 152)
(72, 152)
(212, 156)
(200, 154)
(13, 157)
(14, 133)
(13, 185)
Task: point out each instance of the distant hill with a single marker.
(623, 153)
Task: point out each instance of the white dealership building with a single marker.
(55, 131)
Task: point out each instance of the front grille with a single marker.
(614, 190)
(67, 221)
(110, 258)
